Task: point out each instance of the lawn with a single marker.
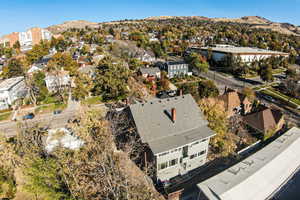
(294, 100)
(5, 116)
(92, 100)
(50, 108)
(282, 97)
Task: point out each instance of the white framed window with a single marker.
(163, 165)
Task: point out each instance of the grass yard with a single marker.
(92, 100)
(50, 108)
(293, 103)
(5, 116)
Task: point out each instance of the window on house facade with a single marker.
(163, 165)
(185, 151)
(202, 152)
(193, 156)
(173, 162)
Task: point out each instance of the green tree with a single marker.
(208, 89)
(14, 68)
(83, 85)
(45, 179)
(266, 73)
(198, 62)
(37, 52)
(7, 184)
(111, 80)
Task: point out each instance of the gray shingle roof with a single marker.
(156, 128)
(150, 70)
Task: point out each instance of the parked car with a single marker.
(28, 116)
(162, 95)
(56, 112)
(172, 93)
(268, 98)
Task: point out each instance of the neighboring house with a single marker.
(40, 64)
(97, 58)
(55, 81)
(109, 38)
(11, 90)
(150, 72)
(259, 176)
(147, 57)
(175, 68)
(89, 70)
(265, 120)
(235, 102)
(247, 54)
(176, 132)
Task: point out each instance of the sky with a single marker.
(19, 15)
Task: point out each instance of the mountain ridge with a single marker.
(254, 21)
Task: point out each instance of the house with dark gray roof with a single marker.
(147, 72)
(176, 132)
(175, 68)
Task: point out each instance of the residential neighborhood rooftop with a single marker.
(156, 127)
(259, 175)
(264, 120)
(149, 70)
(8, 83)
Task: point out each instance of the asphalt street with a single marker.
(9, 128)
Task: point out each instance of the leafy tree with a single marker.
(214, 112)
(208, 89)
(83, 85)
(7, 184)
(62, 61)
(249, 93)
(14, 68)
(45, 179)
(197, 61)
(266, 73)
(37, 52)
(37, 87)
(111, 80)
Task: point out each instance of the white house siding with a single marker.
(54, 82)
(191, 163)
(9, 95)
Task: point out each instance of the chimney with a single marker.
(173, 111)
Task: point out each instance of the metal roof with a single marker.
(8, 83)
(156, 128)
(259, 175)
(243, 50)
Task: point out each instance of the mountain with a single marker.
(72, 24)
(253, 21)
(260, 22)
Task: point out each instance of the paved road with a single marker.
(229, 81)
(9, 128)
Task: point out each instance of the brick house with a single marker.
(235, 102)
(265, 120)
